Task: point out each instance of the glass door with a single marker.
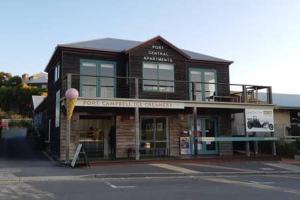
(154, 138)
(209, 130)
(206, 127)
(204, 81)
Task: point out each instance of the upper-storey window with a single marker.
(158, 77)
(202, 83)
(97, 78)
(56, 72)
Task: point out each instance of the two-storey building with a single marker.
(150, 94)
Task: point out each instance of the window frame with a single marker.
(202, 73)
(98, 76)
(157, 76)
(56, 72)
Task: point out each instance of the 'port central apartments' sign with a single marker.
(158, 54)
(128, 104)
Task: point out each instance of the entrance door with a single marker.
(154, 137)
(94, 135)
(205, 83)
(207, 127)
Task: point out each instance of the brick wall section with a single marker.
(225, 148)
(125, 132)
(74, 135)
(177, 124)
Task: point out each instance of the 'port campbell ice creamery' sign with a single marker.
(128, 104)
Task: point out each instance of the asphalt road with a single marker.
(208, 188)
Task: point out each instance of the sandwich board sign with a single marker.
(78, 149)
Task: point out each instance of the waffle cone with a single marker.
(70, 107)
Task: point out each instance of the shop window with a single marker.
(158, 77)
(154, 138)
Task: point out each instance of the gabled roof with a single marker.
(120, 45)
(39, 78)
(104, 44)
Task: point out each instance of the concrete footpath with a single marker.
(19, 162)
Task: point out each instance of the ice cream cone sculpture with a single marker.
(71, 96)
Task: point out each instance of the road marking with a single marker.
(119, 187)
(221, 167)
(284, 166)
(267, 169)
(175, 168)
(250, 184)
(262, 182)
(16, 190)
(284, 176)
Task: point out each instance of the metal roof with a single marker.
(120, 45)
(283, 101)
(37, 100)
(286, 100)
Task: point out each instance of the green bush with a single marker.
(20, 123)
(287, 149)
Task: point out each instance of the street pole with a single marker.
(137, 122)
(68, 142)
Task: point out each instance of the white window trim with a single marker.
(57, 109)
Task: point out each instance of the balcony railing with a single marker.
(90, 86)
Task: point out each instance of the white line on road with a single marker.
(175, 168)
(284, 166)
(267, 169)
(221, 167)
(263, 182)
(251, 184)
(119, 187)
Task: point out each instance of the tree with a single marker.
(14, 81)
(4, 77)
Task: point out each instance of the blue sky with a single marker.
(261, 37)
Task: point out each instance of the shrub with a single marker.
(287, 149)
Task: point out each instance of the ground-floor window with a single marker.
(154, 137)
(94, 135)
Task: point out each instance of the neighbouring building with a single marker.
(38, 80)
(286, 117)
(159, 100)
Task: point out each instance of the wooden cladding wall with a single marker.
(71, 64)
(181, 73)
(53, 87)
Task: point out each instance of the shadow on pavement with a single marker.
(14, 146)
